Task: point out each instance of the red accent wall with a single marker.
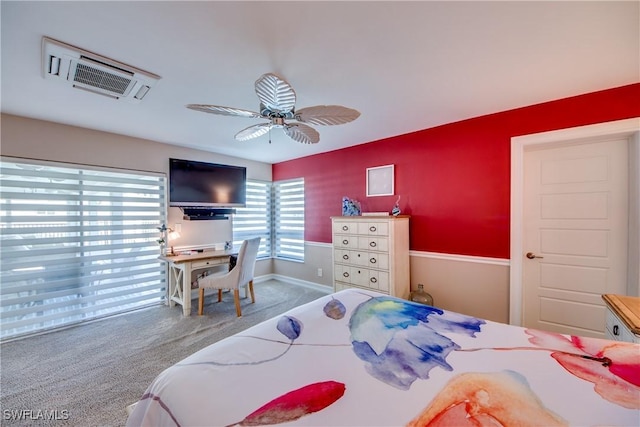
(453, 179)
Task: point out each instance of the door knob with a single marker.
(531, 255)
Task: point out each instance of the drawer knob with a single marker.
(345, 256)
(372, 260)
(373, 280)
(345, 274)
(372, 228)
(616, 330)
(345, 242)
(372, 244)
(345, 228)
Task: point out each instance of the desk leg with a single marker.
(186, 289)
(170, 285)
(176, 274)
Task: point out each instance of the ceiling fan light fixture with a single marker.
(277, 102)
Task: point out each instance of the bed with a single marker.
(359, 358)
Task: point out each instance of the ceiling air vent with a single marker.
(94, 73)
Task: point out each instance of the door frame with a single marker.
(557, 138)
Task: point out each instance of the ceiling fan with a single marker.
(277, 102)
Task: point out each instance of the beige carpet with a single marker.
(87, 375)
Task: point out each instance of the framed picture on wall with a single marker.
(380, 181)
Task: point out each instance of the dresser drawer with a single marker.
(344, 227)
(379, 280)
(379, 261)
(345, 241)
(373, 228)
(362, 277)
(352, 274)
(362, 259)
(342, 256)
(371, 252)
(617, 330)
(373, 243)
(610, 321)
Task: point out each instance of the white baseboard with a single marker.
(319, 244)
(294, 281)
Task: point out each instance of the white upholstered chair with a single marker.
(241, 275)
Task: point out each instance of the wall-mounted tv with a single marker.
(206, 185)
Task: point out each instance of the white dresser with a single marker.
(371, 252)
(623, 318)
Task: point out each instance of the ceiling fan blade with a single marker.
(302, 133)
(224, 111)
(253, 131)
(275, 93)
(327, 115)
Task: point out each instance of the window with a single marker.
(275, 212)
(76, 244)
(288, 233)
(255, 219)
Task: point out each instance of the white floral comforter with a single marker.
(358, 358)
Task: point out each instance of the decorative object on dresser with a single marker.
(623, 318)
(396, 208)
(350, 207)
(371, 252)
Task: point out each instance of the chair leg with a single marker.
(253, 296)
(236, 298)
(201, 302)
(219, 295)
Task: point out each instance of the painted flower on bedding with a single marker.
(495, 399)
(295, 404)
(334, 309)
(401, 341)
(613, 367)
(290, 327)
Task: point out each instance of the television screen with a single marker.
(200, 184)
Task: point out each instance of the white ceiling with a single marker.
(405, 66)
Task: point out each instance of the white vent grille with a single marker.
(94, 73)
(101, 79)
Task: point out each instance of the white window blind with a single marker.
(288, 199)
(254, 220)
(76, 244)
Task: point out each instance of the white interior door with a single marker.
(575, 233)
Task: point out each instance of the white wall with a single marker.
(36, 139)
(466, 286)
(475, 286)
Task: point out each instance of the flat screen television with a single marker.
(206, 185)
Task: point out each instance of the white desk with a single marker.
(180, 268)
